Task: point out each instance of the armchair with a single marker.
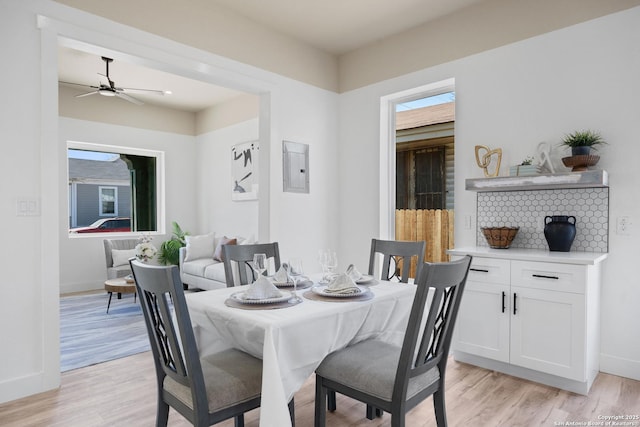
(117, 253)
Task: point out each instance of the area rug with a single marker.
(88, 335)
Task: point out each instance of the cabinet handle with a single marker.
(504, 296)
(515, 309)
(480, 270)
(542, 276)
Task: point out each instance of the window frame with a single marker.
(160, 205)
(101, 199)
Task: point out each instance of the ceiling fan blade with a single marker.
(87, 94)
(78, 84)
(158, 92)
(129, 98)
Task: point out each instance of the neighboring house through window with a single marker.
(110, 182)
(424, 157)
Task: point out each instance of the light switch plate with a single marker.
(27, 207)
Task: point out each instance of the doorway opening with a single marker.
(419, 156)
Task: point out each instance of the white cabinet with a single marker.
(534, 319)
(482, 326)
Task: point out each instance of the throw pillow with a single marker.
(247, 241)
(121, 256)
(217, 255)
(199, 246)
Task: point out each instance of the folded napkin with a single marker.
(342, 284)
(353, 272)
(281, 275)
(262, 289)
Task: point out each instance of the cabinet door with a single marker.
(482, 326)
(548, 331)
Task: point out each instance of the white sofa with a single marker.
(200, 264)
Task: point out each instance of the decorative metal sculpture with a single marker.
(486, 159)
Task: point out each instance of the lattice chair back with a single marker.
(238, 261)
(172, 341)
(432, 319)
(397, 258)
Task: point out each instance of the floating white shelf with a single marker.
(585, 179)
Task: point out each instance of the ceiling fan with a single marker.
(111, 89)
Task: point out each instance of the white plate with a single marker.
(239, 297)
(365, 279)
(322, 290)
(282, 284)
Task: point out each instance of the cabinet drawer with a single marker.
(489, 270)
(550, 276)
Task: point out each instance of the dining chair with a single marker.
(394, 253)
(397, 378)
(204, 390)
(238, 261)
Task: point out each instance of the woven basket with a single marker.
(500, 237)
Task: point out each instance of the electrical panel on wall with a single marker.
(295, 163)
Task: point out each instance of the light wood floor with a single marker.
(122, 393)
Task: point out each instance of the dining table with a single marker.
(293, 339)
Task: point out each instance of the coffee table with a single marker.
(120, 286)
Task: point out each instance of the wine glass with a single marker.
(329, 262)
(296, 267)
(332, 262)
(292, 272)
(260, 264)
(296, 272)
(323, 259)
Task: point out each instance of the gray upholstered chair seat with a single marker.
(371, 367)
(237, 379)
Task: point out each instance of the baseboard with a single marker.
(27, 385)
(619, 366)
(69, 288)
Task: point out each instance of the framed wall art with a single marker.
(244, 170)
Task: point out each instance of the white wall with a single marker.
(82, 265)
(305, 223)
(513, 97)
(33, 167)
(216, 211)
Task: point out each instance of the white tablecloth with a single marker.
(293, 341)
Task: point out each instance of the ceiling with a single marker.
(335, 26)
(85, 68)
(339, 26)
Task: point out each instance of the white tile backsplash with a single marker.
(527, 210)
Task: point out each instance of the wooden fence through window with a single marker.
(434, 226)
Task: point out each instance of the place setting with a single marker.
(340, 287)
(271, 292)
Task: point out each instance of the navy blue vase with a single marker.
(560, 230)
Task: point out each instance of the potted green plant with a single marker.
(582, 142)
(170, 249)
(525, 168)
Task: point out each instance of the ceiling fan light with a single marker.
(107, 93)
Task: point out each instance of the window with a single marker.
(125, 183)
(108, 201)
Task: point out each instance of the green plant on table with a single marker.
(170, 249)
